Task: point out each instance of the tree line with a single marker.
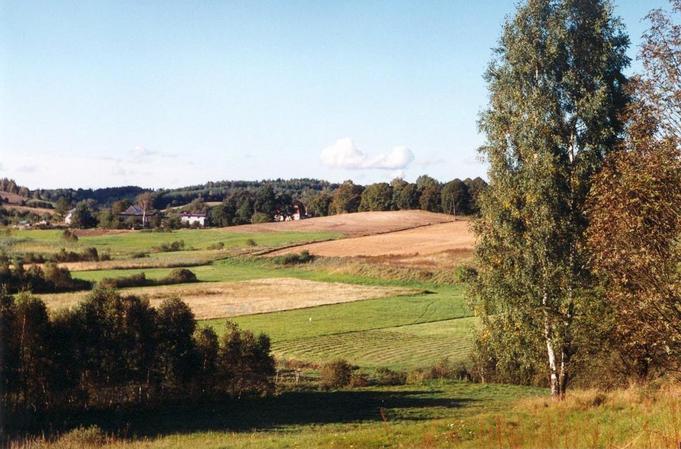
(578, 279)
(114, 350)
(243, 205)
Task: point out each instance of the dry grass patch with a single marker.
(209, 300)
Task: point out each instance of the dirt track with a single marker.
(421, 241)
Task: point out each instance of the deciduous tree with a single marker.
(556, 96)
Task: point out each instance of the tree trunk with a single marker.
(551, 352)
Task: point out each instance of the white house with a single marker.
(190, 218)
(69, 217)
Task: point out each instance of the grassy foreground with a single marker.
(434, 415)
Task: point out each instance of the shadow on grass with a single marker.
(287, 409)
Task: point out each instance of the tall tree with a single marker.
(346, 198)
(455, 198)
(145, 201)
(556, 94)
(376, 197)
(660, 86)
(635, 210)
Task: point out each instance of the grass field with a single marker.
(439, 414)
(121, 244)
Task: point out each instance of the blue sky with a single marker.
(172, 93)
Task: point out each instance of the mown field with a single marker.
(371, 320)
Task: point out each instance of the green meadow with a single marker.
(126, 243)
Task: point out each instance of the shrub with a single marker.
(179, 276)
(177, 245)
(294, 259)
(218, 245)
(251, 242)
(335, 374)
(443, 369)
(385, 376)
(358, 380)
(134, 280)
(69, 236)
(139, 255)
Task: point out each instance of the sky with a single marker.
(174, 93)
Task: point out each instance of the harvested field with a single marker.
(227, 299)
(454, 237)
(36, 210)
(355, 224)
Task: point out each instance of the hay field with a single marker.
(213, 300)
(354, 224)
(422, 242)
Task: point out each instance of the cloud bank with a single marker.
(345, 154)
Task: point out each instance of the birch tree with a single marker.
(556, 92)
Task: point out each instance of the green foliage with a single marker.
(407, 197)
(176, 276)
(429, 198)
(376, 197)
(455, 198)
(294, 258)
(261, 217)
(113, 350)
(83, 216)
(465, 274)
(346, 198)
(177, 245)
(556, 99)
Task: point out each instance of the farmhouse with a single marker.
(69, 217)
(136, 215)
(293, 213)
(192, 218)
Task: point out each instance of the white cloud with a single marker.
(344, 154)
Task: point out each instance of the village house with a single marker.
(135, 215)
(193, 218)
(69, 217)
(294, 213)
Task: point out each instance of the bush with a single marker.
(385, 376)
(464, 274)
(139, 255)
(88, 255)
(179, 276)
(335, 374)
(294, 259)
(177, 245)
(215, 246)
(251, 242)
(69, 236)
(134, 280)
(444, 369)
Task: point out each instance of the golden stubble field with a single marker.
(209, 300)
(429, 245)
